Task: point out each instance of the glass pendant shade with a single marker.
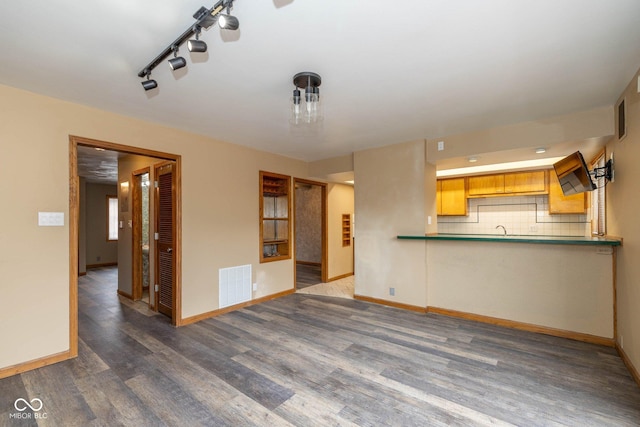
(307, 109)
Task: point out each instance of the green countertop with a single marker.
(553, 240)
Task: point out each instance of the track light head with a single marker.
(197, 46)
(177, 62)
(228, 22)
(149, 83)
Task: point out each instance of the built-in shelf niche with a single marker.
(346, 230)
(275, 211)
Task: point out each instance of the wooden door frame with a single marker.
(74, 212)
(136, 235)
(323, 224)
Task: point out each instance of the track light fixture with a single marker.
(177, 62)
(205, 18)
(149, 84)
(197, 45)
(309, 111)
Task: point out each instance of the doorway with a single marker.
(141, 241)
(74, 209)
(310, 224)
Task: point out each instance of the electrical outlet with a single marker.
(533, 228)
(255, 287)
(440, 145)
(621, 342)
(392, 291)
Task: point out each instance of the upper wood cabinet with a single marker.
(525, 182)
(505, 184)
(486, 184)
(451, 196)
(561, 204)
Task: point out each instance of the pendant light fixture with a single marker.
(307, 109)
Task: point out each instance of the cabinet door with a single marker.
(453, 196)
(561, 204)
(525, 182)
(486, 184)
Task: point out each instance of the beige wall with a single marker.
(98, 249)
(558, 286)
(340, 201)
(540, 133)
(390, 200)
(215, 233)
(623, 205)
(431, 208)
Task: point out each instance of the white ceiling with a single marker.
(391, 71)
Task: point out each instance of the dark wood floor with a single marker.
(308, 275)
(318, 361)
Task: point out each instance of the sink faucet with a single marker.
(503, 229)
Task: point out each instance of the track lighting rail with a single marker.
(204, 17)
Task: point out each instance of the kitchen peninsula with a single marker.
(563, 286)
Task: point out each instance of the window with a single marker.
(598, 201)
(112, 218)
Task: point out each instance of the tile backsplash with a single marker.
(524, 215)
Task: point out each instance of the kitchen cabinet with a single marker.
(275, 211)
(486, 185)
(508, 184)
(526, 182)
(451, 196)
(561, 204)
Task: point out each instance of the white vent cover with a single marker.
(235, 285)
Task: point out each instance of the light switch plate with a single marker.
(51, 219)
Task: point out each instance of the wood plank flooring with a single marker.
(308, 275)
(307, 360)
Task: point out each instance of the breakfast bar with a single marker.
(561, 285)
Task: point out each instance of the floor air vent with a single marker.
(235, 285)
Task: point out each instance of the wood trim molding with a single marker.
(218, 312)
(625, 358)
(577, 336)
(391, 303)
(342, 276)
(35, 364)
(74, 236)
(124, 294)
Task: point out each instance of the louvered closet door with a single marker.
(165, 229)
